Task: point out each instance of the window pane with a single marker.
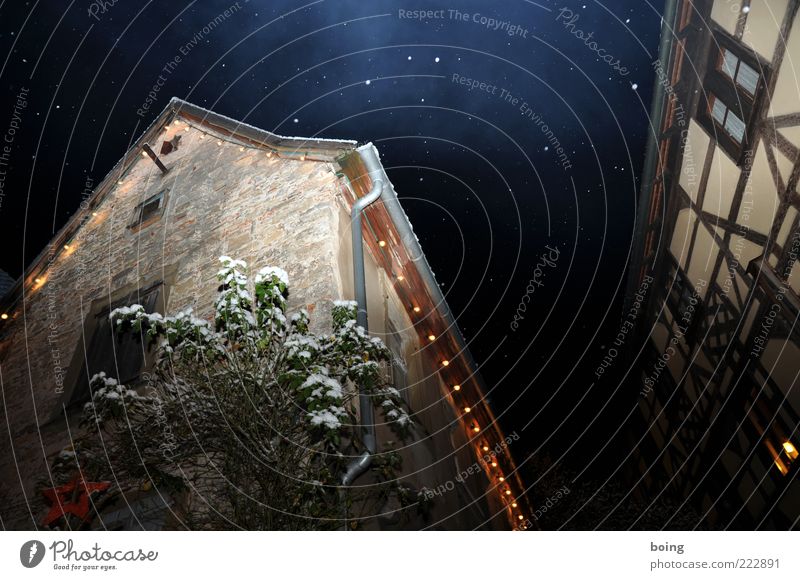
(747, 78)
(150, 209)
(130, 345)
(735, 126)
(718, 111)
(118, 354)
(152, 205)
(99, 352)
(728, 64)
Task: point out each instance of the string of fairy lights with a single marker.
(473, 429)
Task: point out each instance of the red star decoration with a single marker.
(61, 499)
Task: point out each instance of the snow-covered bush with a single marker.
(250, 419)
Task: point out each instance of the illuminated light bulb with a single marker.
(241, 148)
(37, 280)
(476, 428)
(120, 182)
(144, 153)
(456, 387)
(417, 309)
(501, 478)
(513, 504)
(508, 492)
(520, 517)
(4, 316)
(445, 363)
(494, 463)
(303, 157)
(66, 246)
(400, 278)
(431, 337)
(486, 448)
(467, 409)
(219, 142)
(381, 243)
(790, 449)
(94, 213)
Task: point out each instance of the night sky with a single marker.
(459, 103)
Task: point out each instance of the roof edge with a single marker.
(176, 107)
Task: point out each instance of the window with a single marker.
(149, 210)
(168, 147)
(727, 119)
(732, 87)
(741, 73)
(399, 372)
(120, 355)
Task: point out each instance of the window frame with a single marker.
(719, 86)
(139, 220)
(737, 70)
(76, 382)
(723, 124)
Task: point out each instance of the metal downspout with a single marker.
(359, 465)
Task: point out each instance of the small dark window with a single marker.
(149, 210)
(168, 147)
(121, 355)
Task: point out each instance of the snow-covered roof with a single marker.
(248, 132)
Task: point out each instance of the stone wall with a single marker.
(221, 200)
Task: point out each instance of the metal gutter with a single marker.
(382, 189)
(371, 158)
(651, 152)
(389, 199)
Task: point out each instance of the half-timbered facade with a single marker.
(716, 365)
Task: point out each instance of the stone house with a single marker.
(197, 185)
